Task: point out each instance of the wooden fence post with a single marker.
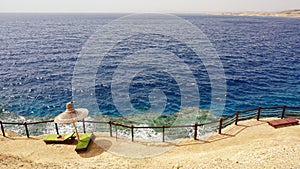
(258, 113)
(110, 129)
(132, 134)
(56, 127)
(236, 117)
(163, 133)
(196, 130)
(83, 125)
(2, 129)
(26, 129)
(116, 132)
(220, 125)
(283, 111)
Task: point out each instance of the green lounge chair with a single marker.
(84, 142)
(63, 138)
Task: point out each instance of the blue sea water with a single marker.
(38, 53)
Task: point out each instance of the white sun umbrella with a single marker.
(71, 115)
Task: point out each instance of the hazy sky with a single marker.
(165, 6)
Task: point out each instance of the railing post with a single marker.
(283, 111)
(258, 113)
(220, 125)
(83, 125)
(196, 130)
(236, 117)
(116, 131)
(56, 127)
(2, 129)
(132, 134)
(26, 129)
(163, 133)
(110, 128)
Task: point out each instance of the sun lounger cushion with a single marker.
(52, 138)
(84, 142)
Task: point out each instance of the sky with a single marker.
(147, 6)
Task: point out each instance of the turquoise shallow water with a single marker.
(38, 53)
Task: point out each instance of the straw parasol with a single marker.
(71, 115)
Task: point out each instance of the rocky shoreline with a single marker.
(289, 13)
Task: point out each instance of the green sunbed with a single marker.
(84, 142)
(54, 138)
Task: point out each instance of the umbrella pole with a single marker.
(77, 135)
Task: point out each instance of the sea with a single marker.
(258, 58)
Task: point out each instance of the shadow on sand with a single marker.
(228, 132)
(96, 147)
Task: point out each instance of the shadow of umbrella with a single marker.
(96, 148)
(71, 115)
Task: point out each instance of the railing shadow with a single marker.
(229, 132)
(234, 130)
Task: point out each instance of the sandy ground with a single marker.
(250, 144)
